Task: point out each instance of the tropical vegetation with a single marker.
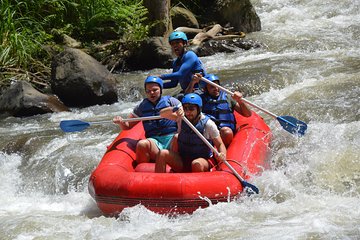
(30, 30)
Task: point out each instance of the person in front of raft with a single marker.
(220, 106)
(191, 154)
(159, 133)
(185, 65)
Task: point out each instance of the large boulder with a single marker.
(153, 53)
(239, 14)
(80, 81)
(21, 100)
(183, 17)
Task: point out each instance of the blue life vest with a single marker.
(190, 145)
(219, 110)
(156, 127)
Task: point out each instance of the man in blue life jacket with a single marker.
(191, 154)
(159, 133)
(184, 66)
(220, 107)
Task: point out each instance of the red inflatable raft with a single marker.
(118, 182)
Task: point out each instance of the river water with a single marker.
(309, 69)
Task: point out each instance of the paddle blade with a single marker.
(249, 188)
(73, 125)
(292, 125)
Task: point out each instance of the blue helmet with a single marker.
(192, 98)
(211, 77)
(177, 35)
(154, 79)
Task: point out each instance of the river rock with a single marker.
(239, 14)
(183, 17)
(156, 52)
(80, 80)
(153, 53)
(22, 100)
(226, 45)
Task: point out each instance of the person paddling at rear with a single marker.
(185, 65)
(220, 107)
(159, 133)
(191, 154)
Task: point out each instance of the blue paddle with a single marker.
(244, 183)
(79, 125)
(290, 124)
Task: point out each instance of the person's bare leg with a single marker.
(160, 162)
(146, 150)
(168, 157)
(227, 135)
(174, 143)
(200, 165)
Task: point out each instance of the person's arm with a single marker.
(185, 68)
(170, 84)
(168, 113)
(173, 82)
(128, 125)
(220, 147)
(195, 80)
(240, 106)
(189, 60)
(214, 135)
(124, 125)
(180, 114)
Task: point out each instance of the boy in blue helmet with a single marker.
(191, 154)
(220, 106)
(185, 65)
(158, 133)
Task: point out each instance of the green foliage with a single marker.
(132, 18)
(27, 25)
(20, 36)
(112, 19)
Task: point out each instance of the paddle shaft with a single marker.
(243, 99)
(131, 119)
(211, 147)
(78, 125)
(290, 124)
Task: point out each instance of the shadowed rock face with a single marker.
(153, 53)
(183, 17)
(22, 100)
(239, 14)
(80, 81)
